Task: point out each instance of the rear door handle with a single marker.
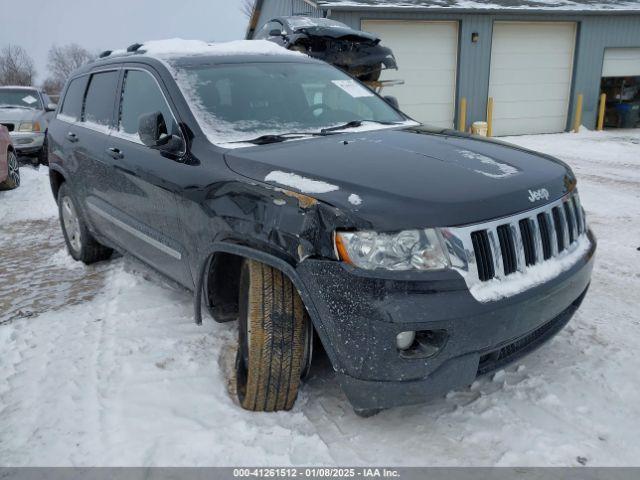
(72, 137)
(115, 153)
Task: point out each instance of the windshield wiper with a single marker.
(9, 106)
(355, 124)
(278, 138)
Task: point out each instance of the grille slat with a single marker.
(527, 242)
(484, 258)
(558, 223)
(503, 250)
(571, 222)
(545, 235)
(508, 249)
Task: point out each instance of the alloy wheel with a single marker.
(14, 169)
(71, 224)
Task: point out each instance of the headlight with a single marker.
(407, 250)
(29, 127)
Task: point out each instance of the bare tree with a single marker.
(248, 7)
(16, 66)
(64, 60)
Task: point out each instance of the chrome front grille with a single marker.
(498, 249)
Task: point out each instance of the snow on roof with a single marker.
(179, 47)
(551, 5)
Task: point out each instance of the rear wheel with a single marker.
(80, 243)
(274, 330)
(13, 172)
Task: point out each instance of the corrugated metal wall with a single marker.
(595, 33)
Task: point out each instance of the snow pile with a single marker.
(33, 200)
(302, 184)
(180, 47)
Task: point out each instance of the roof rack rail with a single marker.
(134, 48)
(105, 54)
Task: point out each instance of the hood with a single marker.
(338, 33)
(398, 179)
(15, 115)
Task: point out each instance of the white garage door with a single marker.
(427, 55)
(531, 71)
(621, 62)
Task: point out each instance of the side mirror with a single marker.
(51, 107)
(153, 132)
(275, 33)
(152, 129)
(393, 101)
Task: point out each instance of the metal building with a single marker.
(533, 57)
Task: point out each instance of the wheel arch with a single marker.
(240, 252)
(56, 179)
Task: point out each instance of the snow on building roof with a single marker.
(550, 5)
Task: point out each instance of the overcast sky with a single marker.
(100, 25)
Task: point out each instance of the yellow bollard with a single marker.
(462, 115)
(490, 117)
(578, 116)
(603, 104)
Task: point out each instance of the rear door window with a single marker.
(72, 103)
(141, 96)
(99, 103)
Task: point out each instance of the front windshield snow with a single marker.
(19, 98)
(235, 103)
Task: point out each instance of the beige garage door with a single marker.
(621, 62)
(531, 71)
(427, 55)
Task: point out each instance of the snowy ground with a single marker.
(103, 365)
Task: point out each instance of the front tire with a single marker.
(80, 243)
(13, 172)
(273, 334)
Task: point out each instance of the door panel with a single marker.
(140, 203)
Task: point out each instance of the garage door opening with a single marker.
(621, 85)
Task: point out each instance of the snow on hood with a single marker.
(488, 4)
(180, 47)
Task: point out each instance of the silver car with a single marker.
(25, 112)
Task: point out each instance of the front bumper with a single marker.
(27, 142)
(358, 317)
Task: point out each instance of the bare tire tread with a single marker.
(276, 319)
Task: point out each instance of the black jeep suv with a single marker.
(288, 196)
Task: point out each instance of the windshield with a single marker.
(19, 98)
(306, 22)
(239, 102)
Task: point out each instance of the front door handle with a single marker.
(115, 153)
(72, 137)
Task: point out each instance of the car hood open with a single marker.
(398, 179)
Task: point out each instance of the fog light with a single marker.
(404, 340)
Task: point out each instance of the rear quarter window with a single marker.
(72, 102)
(100, 99)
